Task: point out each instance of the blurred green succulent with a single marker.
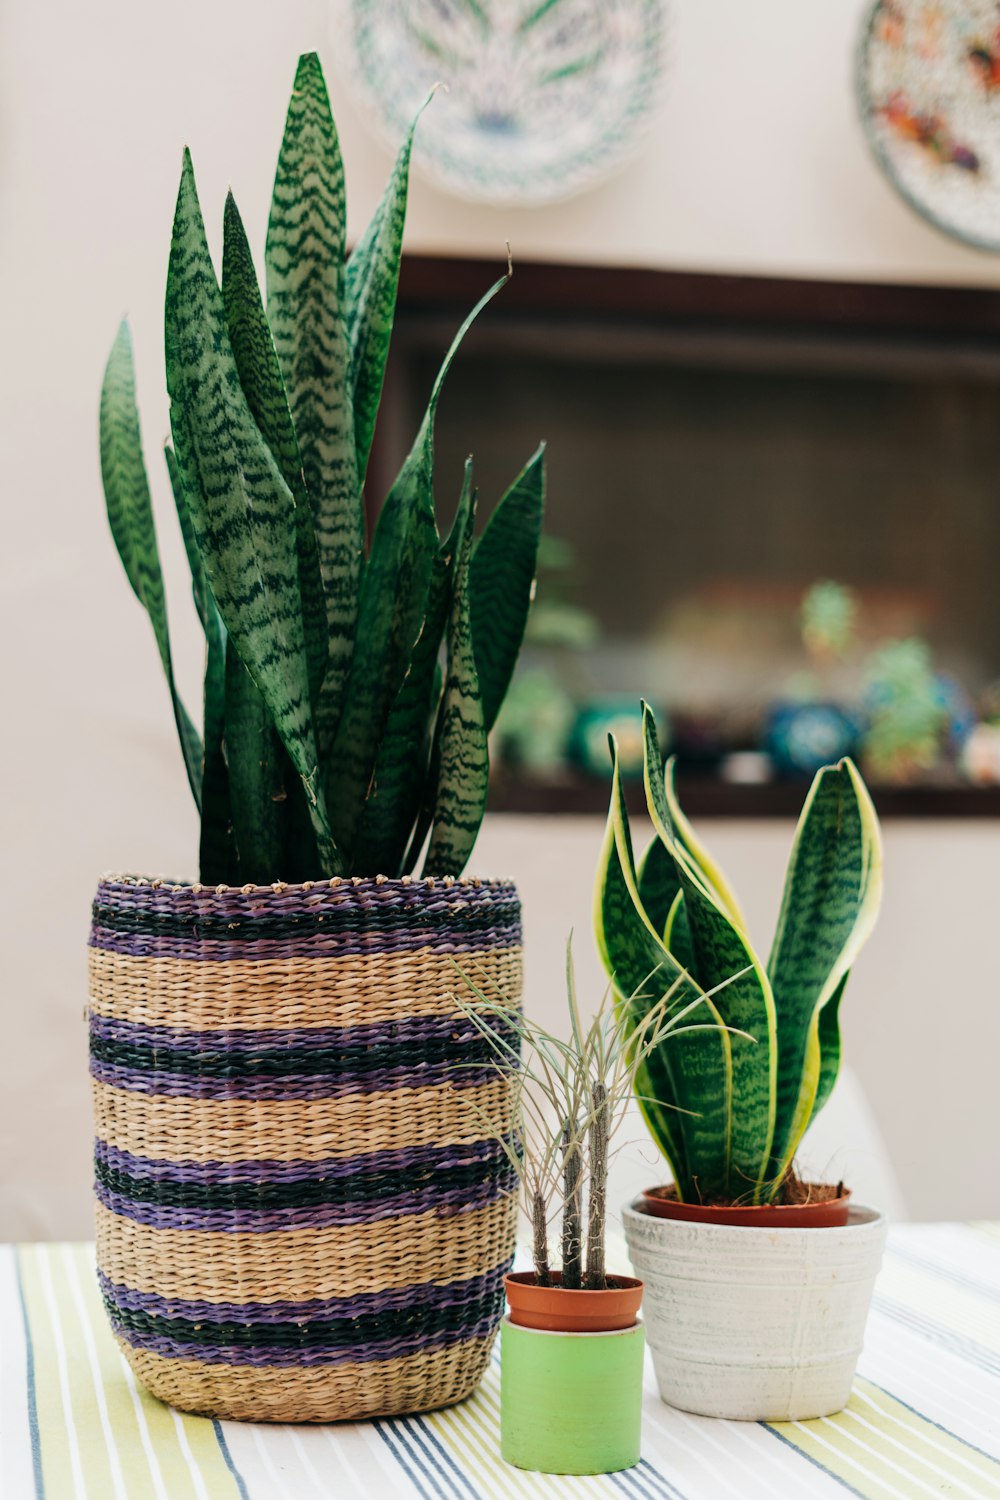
(907, 717)
(829, 619)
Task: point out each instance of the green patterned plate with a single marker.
(544, 97)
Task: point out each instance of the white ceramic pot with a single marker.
(755, 1324)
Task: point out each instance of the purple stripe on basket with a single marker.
(366, 899)
(318, 945)
(406, 1032)
(337, 1168)
(326, 1309)
(322, 1216)
(292, 1086)
(221, 1354)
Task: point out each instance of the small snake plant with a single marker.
(333, 741)
(729, 1105)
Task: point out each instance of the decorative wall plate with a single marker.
(929, 91)
(544, 97)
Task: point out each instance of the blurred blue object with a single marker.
(802, 737)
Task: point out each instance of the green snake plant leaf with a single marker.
(684, 1086)
(659, 886)
(828, 1033)
(463, 760)
(257, 790)
(391, 612)
(217, 860)
(665, 810)
(833, 890)
(130, 514)
(242, 512)
(372, 283)
(401, 771)
(723, 952)
(677, 934)
(503, 581)
(264, 389)
(306, 295)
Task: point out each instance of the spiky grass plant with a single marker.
(568, 1102)
(730, 1106)
(334, 742)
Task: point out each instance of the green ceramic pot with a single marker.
(570, 1403)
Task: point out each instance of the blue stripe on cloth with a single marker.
(801, 1453)
(408, 1429)
(393, 1441)
(29, 1350)
(935, 1333)
(935, 1268)
(424, 1430)
(227, 1459)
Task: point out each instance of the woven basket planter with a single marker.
(300, 1216)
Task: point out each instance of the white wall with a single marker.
(756, 165)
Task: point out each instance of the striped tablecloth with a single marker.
(924, 1418)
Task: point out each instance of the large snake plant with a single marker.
(729, 1105)
(333, 742)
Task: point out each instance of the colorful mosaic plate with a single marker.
(929, 91)
(544, 97)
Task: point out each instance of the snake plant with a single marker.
(729, 1105)
(334, 740)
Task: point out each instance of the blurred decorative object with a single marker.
(544, 97)
(618, 716)
(802, 737)
(536, 722)
(929, 92)
(810, 728)
(908, 715)
(980, 756)
(746, 768)
(829, 620)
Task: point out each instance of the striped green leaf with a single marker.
(130, 514)
(463, 760)
(659, 886)
(401, 772)
(828, 1033)
(264, 389)
(217, 848)
(685, 1085)
(833, 890)
(677, 935)
(391, 613)
(661, 797)
(503, 581)
(306, 296)
(256, 786)
(723, 956)
(242, 511)
(372, 283)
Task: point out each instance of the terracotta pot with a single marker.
(829, 1213)
(557, 1309)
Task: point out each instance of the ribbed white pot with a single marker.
(755, 1324)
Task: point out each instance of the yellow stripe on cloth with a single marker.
(884, 1450)
(100, 1435)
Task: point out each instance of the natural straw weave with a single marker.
(301, 1215)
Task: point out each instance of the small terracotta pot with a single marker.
(558, 1309)
(828, 1213)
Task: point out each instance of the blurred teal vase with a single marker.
(619, 716)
